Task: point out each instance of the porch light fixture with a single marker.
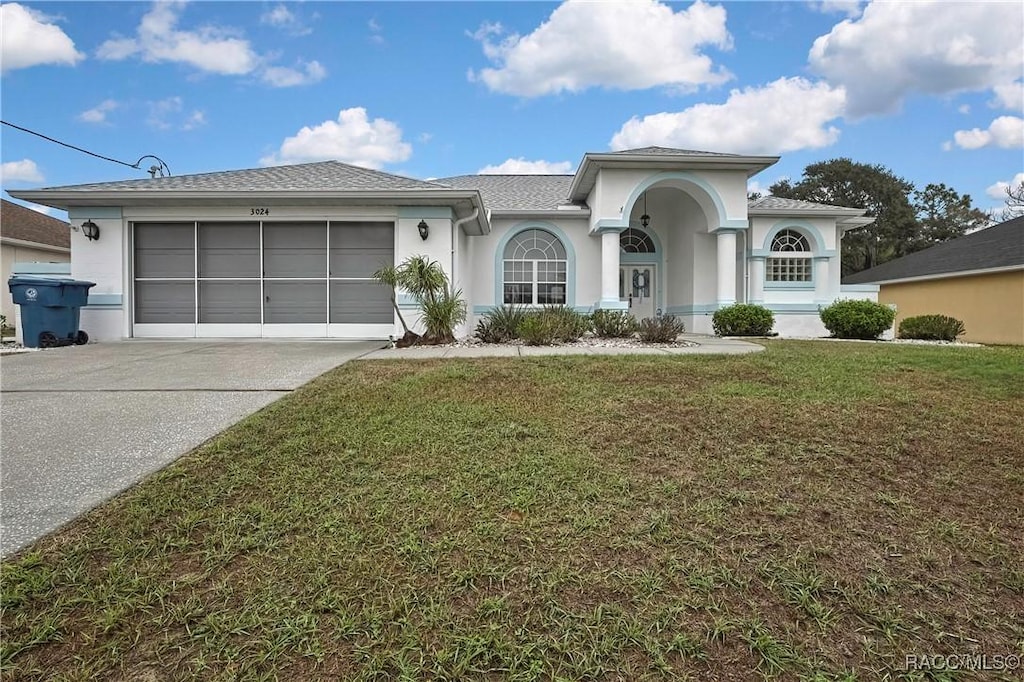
(91, 230)
(645, 219)
(424, 230)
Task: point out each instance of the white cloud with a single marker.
(785, 115)
(169, 114)
(286, 77)
(376, 32)
(98, 114)
(896, 49)
(998, 190)
(29, 38)
(521, 166)
(352, 138)
(1006, 132)
(1009, 96)
(964, 108)
(25, 170)
(851, 8)
(283, 18)
(623, 45)
(208, 48)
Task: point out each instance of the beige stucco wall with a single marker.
(991, 306)
(16, 253)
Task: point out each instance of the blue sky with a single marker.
(433, 89)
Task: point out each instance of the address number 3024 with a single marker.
(259, 211)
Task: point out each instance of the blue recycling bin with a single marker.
(50, 309)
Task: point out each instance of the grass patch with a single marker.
(818, 511)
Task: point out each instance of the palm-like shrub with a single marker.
(500, 325)
(441, 305)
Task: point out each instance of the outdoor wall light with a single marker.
(424, 230)
(91, 230)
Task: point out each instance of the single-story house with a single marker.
(289, 251)
(977, 278)
(28, 236)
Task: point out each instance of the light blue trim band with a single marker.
(41, 269)
(696, 309)
(788, 285)
(614, 304)
(105, 299)
(94, 213)
(484, 309)
(102, 306)
(417, 212)
(405, 300)
(570, 258)
(710, 193)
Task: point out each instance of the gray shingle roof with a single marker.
(18, 222)
(998, 246)
(516, 192)
(323, 175)
(779, 203)
(668, 151)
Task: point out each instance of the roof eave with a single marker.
(586, 174)
(943, 275)
(541, 213)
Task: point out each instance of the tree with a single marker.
(1014, 201)
(843, 182)
(441, 305)
(944, 214)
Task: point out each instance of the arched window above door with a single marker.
(633, 240)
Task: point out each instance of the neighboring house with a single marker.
(28, 236)
(977, 278)
(290, 251)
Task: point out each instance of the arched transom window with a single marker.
(790, 259)
(636, 241)
(535, 269)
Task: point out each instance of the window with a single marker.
(535, 268)
(790, 259)
(636, 241)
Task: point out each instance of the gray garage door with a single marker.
(245, 273)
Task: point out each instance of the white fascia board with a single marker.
(558, 213)
(949, 275)
(34, 245)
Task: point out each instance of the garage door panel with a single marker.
(164, 302)
(229, 302)
(295, 249)
(294, 302)
(229, 249)
(361, 303)
(164, 250)
(360, 249)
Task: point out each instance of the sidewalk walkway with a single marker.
(703, 345)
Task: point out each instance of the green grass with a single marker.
(818, 511)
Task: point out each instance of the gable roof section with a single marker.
(999, 246)
(319, 176)
(512, 193)
(26, 225)
(667, 151)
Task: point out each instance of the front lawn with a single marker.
(817, 511)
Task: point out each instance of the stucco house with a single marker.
(977, 278)
(28, 236)
(289, 251)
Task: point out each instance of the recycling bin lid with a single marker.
(36, 280)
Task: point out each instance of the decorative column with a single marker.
(757, 279)
(821, 279)
(610, 271)
(726, 267)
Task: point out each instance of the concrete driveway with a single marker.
(82, 423)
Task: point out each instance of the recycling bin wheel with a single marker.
(81, 338)
(47, 340)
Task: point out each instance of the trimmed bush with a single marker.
(743, 319)
(662, 329)
(857, 319)
(500, 325)
(538, 329)
(613, 324)
(931, 328)
(569, 325)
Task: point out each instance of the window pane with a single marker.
(229, 302)
(360, 249)
(295, 250)
(516, 294)
(551, 294)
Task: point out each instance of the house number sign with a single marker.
(259, 211)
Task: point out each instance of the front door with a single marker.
(636, 288)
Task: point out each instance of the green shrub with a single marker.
(663, 329)
(613, 324)
(857, 319)
(569, 325)
(442, 313)
(500, 325)
(537, 329)
(931, 328)
(743, 319)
